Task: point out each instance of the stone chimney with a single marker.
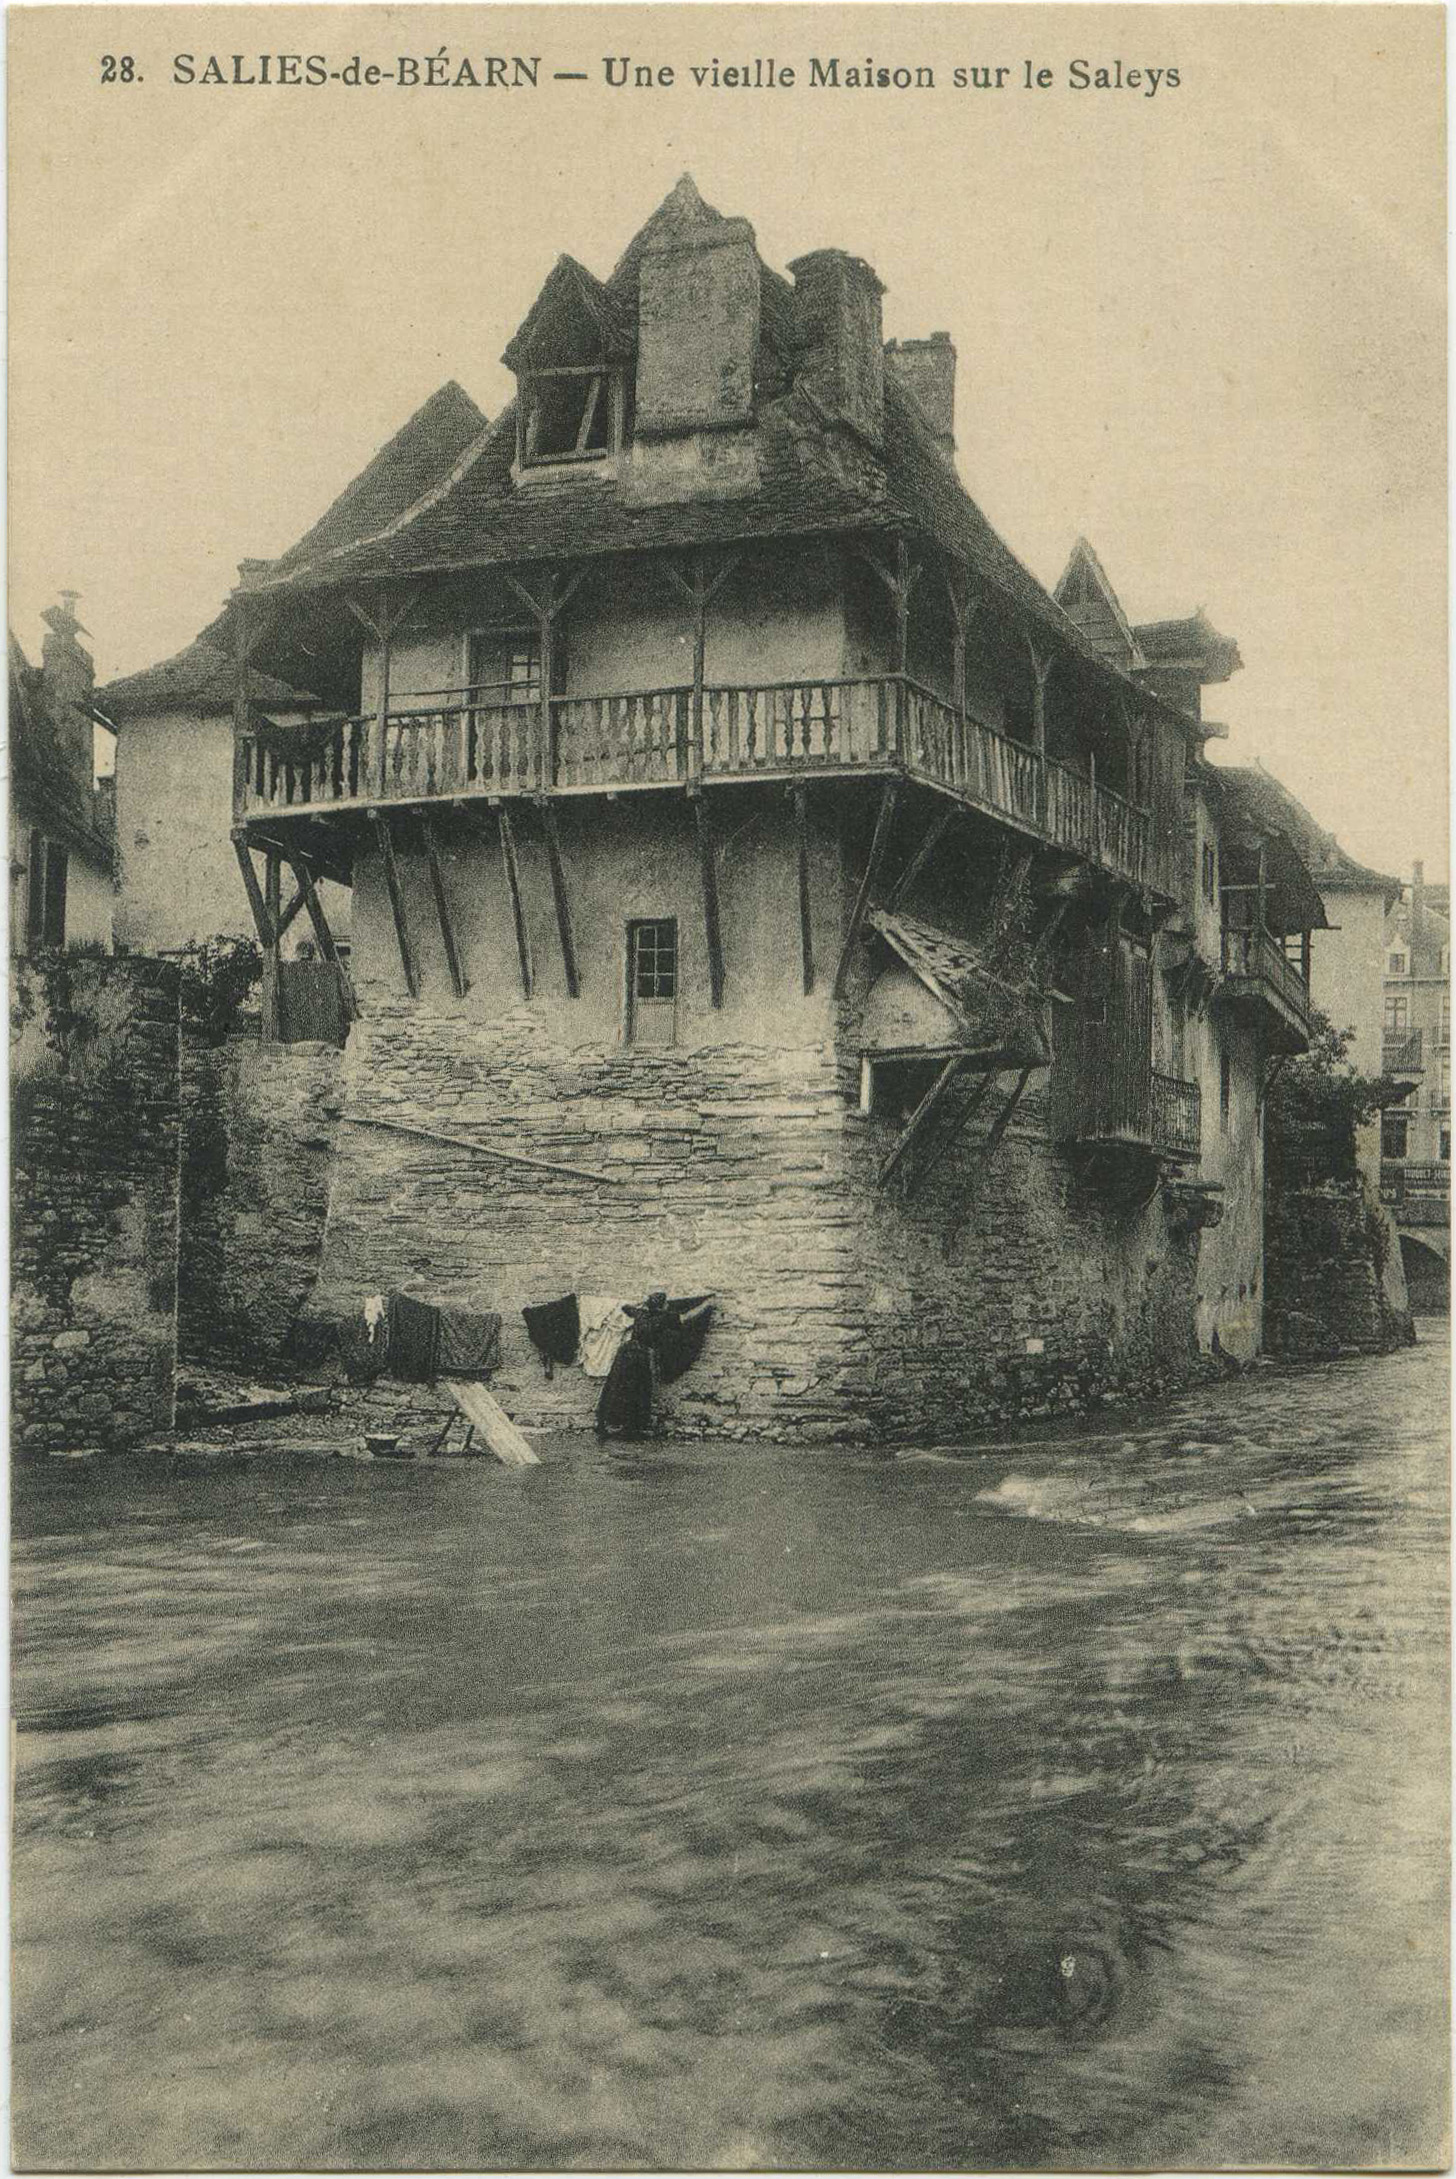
(698, 318)
(838, 299)
(927, 369)
(68, 679)
(1418, 910)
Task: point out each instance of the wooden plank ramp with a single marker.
(493, 1423)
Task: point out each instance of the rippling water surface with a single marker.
(1081, 1802)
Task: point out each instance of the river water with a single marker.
(1078, 1803)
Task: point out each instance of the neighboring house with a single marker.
(175, 744)
(61, 836)
(740, 832)
(176, 868)
(1416, 1135)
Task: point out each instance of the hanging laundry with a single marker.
(678, 1340)
(605, 1323)
(555, 1330)
(625, 1405)
(468, 1342)
(414, 1338)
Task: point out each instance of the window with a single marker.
(1210, 874)
(652, 981)
(1445, 1150)
(1397, 964)
(1394, 1133)
(1397, 1015)
(1225, 1092)
(572, 415)
(1445, 1028)
(503, 666)
(45, 898)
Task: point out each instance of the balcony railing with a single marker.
(1177, 1116)
(1400, 1051)
(458, 748)
(1255, 956)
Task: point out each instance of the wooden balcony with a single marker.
(457, 748)
(1259, 972)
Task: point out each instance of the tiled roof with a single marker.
(477, 517)
(1268, 801)
(421, 452)
(1194, 638)
(985, 1008)
(200, 679)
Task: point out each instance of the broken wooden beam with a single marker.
(484, 1413)
(488, 1150)
(711, 920)
(987, 1151)
(806, 926)
(442, 910)
(933, 1097)
(561, 902)
(878, 845)
(518, 912)
(919, 859)
(396, 901)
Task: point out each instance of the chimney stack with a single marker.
(927, 369)
(838, 300)
(1418, 909)
(698, 315)
(68, 679)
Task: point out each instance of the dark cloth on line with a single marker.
(414, 1338)
(468, 1343)
(679, 1340)
(626, 1402)
(555, 1329)
(363, 1348)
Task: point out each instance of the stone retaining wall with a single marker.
(1334, 1282)
(258, 1135)
(94, 1178)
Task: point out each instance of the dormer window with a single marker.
(574, 414)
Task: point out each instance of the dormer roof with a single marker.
(1191, 645)
(1086, 595)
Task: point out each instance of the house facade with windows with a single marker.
(763, 887)
(61, 831)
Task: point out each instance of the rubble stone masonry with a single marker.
(94, 1176)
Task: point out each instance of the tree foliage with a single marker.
(217, 978)
(1318, 1101)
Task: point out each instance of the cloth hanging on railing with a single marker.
(468, 1342)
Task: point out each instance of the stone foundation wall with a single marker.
(1334, 1283)
(745, 1172)
(258, 1137)
(94, 1177)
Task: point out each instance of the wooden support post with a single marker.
(550, 600)
(1262, 903)
(988, 1151)
(1304, 956)
(273, 901)
(806, 923)
(518, 913)
(291, 913)
(242, 712)
(1042, 662)
(383, 624)
(254, 892)
(707, 863)
(901, 887)
(878, 844)
(559, 898)
(933, 1097)
(700, 589)
(442, 910)
(901, 585)
(324, 935)
(396, 901)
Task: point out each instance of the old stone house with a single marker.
(1416, 1134)
(61, 830)
(789, 898)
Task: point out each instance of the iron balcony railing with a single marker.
(1255, 956)
(457, 746)
(1177, 1116)
(1400, 1051)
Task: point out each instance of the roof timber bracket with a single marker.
(560, 899)
(883, 822)
(518, 912)
(707, 861)
(385, 622)
(442, 910)
(407, 961)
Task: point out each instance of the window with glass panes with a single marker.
(652, 972)
(504, 666)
